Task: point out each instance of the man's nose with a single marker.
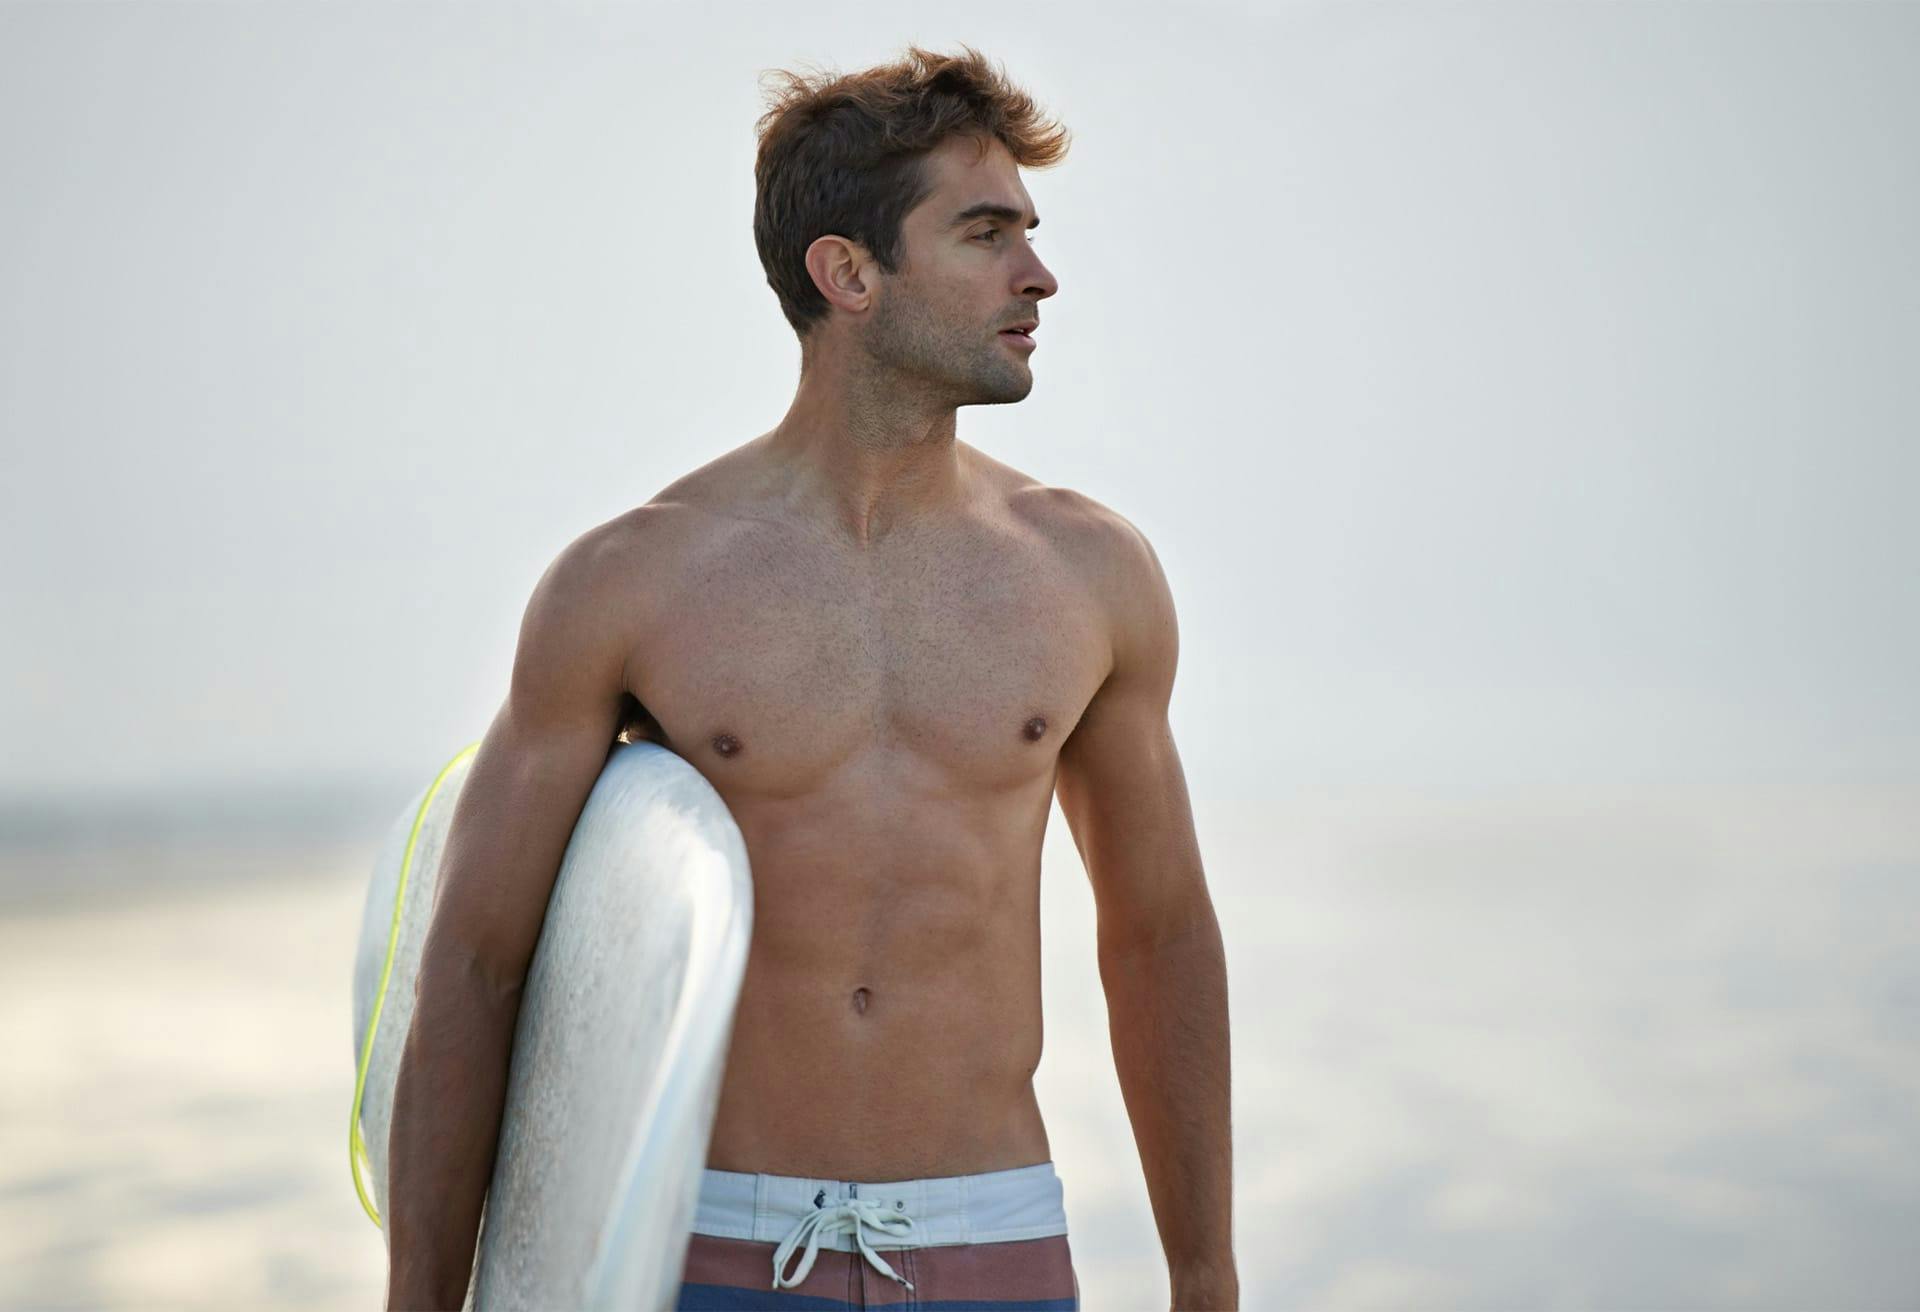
(1039, 281)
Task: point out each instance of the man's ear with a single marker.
(842, 269)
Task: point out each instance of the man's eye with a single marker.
(995, 232)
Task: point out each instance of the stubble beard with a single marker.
(956, 365)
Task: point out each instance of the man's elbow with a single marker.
(1185, 922)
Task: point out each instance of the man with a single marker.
(887, 651)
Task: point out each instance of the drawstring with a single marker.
(846, 1218)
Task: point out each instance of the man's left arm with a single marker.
(1162, 961)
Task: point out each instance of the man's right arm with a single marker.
(511, 824)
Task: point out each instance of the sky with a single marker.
(1517, 397)
(1512, 394)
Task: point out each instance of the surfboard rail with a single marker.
(356, 1146)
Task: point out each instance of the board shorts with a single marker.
(997, 1240)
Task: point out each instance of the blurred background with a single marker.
(1519, 398)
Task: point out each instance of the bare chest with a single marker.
(776, 664)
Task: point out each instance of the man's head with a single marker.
(869, 221)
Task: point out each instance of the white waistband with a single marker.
(1026, 1202)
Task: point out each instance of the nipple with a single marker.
(1035, 728)
(725, 744)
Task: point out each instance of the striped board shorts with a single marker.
(992, 1241)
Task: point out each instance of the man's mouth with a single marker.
(1022, 333)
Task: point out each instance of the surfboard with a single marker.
(620, 1042)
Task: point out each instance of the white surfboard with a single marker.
(620, 1043)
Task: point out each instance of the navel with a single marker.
(860, 1000)
(1035, 729)
(726, 744)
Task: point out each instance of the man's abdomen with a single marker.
(911, 1059)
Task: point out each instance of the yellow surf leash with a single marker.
(356, 1145)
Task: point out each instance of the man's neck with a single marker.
(862, 471)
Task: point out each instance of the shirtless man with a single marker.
(888, 652)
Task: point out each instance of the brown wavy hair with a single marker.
(845, 154)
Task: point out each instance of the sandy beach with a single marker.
(179, 1077)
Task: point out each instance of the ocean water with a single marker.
(1629, 1050)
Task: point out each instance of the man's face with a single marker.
(961, 282)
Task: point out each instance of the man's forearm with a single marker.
(1167, 1016)
(449, 1097)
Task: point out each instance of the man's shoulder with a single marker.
(611, 547)
(621, 567)
(1095, 537)
(1115, 564)
(663, 528)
